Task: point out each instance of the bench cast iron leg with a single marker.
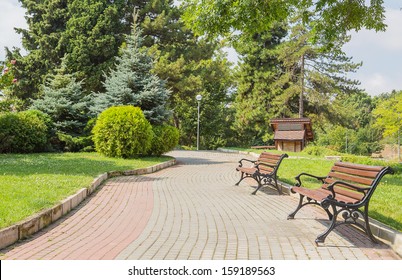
(321, 238)
(291, 216)
(259, 187)
(277, 187)
(366, 221)
(241, 178)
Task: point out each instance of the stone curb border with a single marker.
(388, 235)
(33, 224)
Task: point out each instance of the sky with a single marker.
(380, 52)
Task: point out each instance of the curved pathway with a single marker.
(192, 211)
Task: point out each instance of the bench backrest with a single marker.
(269, 163)
(364, 177)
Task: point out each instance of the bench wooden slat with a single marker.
(359, 166)
(266, 169)
(358, 172)
(329, 181)
(346, 191)
(351, 178)
(270, 155)
(272, 163)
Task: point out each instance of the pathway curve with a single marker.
(192, 211)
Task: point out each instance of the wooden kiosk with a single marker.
(292, 134)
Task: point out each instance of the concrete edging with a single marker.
(33, 224)
(388, 235)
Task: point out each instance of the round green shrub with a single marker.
(122, 131)
(24, 132)
(166, 137)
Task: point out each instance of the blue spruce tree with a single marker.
(133, 83)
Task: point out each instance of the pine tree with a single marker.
(132, 83)
(314, 70)
(257, 71)
(46, 22)
(64, 101)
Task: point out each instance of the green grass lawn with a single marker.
(31, 183)
(385, 204)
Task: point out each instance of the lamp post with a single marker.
(198, 97)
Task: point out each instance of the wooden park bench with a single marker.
(346, 190)
(264, 170)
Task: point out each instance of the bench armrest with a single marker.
(244, 159)
(299, 183)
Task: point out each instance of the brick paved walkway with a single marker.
(192, 211)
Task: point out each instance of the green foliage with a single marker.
(165, 138)
(132, 83)
(319, 151)
(190, 65)
(254, 77)
(93, 34)
(388, 113)
(363, 141)
(8, 102)
(217, 17)
(122, 131)
(24, 132)
(64, 101)
(87, 33)
(6, 76)
(46, 23)
(204, 75)
(314, 70)
(68, 143)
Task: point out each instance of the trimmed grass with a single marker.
(385, 204)
(31, 183)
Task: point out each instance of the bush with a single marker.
(24, 132)
(319, 151)
(165, 138)
(122, 131)
(68, 143)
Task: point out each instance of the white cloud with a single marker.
(11, 15)
(381, 53)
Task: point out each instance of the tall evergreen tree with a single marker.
(46, 23)
(93, 35)
(132, 83)
(257, 71)
(314, 70)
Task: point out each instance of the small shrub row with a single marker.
(123, 131)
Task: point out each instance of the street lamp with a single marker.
(198, 97)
